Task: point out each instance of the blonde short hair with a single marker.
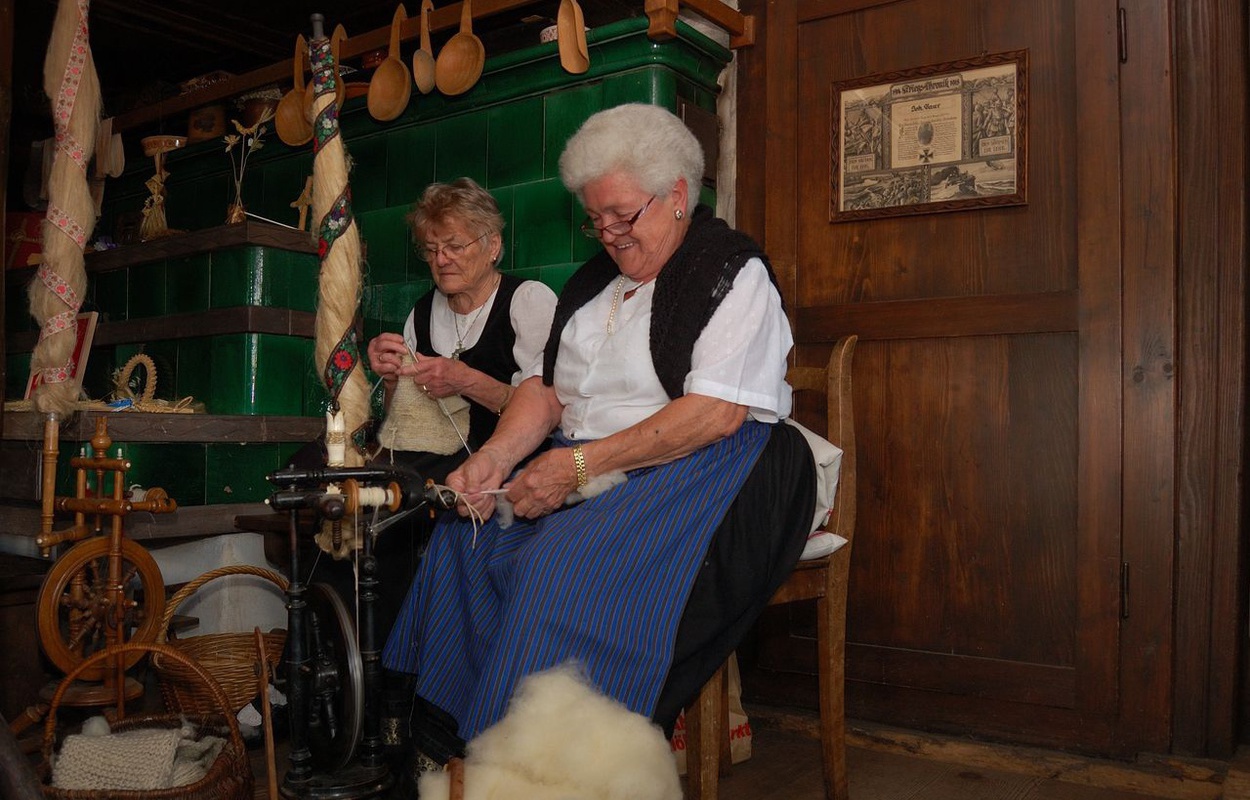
(462, 200)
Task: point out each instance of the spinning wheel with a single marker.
(75, 613)
(336, 707)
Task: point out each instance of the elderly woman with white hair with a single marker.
(666, 366)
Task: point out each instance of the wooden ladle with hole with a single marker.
(460, 62)
(391, 85)
(291, 116)
(423, 58)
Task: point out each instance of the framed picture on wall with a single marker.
(946, 137)
(86, 322)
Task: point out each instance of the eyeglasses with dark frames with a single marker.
(452, 250)
(619, 228)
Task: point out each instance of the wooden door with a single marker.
(989, 572)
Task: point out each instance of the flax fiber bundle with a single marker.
(336, 347)
(70, 81)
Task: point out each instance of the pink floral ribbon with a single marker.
(63, 110)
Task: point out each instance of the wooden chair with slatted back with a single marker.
(823, 580)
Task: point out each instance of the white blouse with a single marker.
(607, 382)
(533, 306)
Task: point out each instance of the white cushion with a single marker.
(828, 458)
(820, 544)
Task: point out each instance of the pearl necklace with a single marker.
(616, 301)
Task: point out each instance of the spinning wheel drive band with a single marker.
(336, 696)
(73, 607)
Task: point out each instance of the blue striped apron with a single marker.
(603, 583)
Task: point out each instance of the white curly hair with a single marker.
(646, 142)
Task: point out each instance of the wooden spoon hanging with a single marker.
(291, 116)
(391, 85)
(571, 38)
(460, 62)
(423, 58)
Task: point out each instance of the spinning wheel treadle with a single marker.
(74, 610)
(336, 707)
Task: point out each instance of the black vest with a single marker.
(689, 288)
(491, 355)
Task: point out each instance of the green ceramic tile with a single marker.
(187, 284)
(235, 473)
(461, 148)
(278, 360)
(583, 246)
(505, 197)
(543, 224)
(233, 365)
(16, 373)
(302, 290)
(369, 173)
(110, 295)
(178, 468)
(195, 378)
(515, 143)
(97, 379)
(389, 239)
(649, 85)
(165, 356)
(410, 156)
(238, 277)
(16, 312)
(283, 181)
(565, 112)
(396, 303)
(557, 275)
(202, 203)
(146, 290)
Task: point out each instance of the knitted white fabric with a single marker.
(139, 760)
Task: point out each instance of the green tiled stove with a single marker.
(228, 319)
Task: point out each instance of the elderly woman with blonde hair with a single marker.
(665, 364)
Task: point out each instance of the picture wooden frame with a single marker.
(945, 137)
(86, 324)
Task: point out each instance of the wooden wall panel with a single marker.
(1050, 398)
(968, 529)
(988, 252)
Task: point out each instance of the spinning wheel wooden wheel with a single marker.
(76, 613)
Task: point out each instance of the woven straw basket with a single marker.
(229, 777)
(231, 658)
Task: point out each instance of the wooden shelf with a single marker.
(662, 14)
(242, 234)
(216, 322)
(137, 426)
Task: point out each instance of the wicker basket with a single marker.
(229, 777)
(231, 658)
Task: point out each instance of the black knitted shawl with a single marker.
(688, 290)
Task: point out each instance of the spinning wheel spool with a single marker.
(336, 712)
(73, 607)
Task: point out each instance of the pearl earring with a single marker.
(679, 214)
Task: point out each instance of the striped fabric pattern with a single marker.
(603, 583)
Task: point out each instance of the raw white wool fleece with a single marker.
(563, 740)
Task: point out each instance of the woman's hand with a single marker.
(481, 472)
(442, 377)
(544, 484)
(386, 353)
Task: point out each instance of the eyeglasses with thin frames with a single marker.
(452, 250)
(619, 228)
